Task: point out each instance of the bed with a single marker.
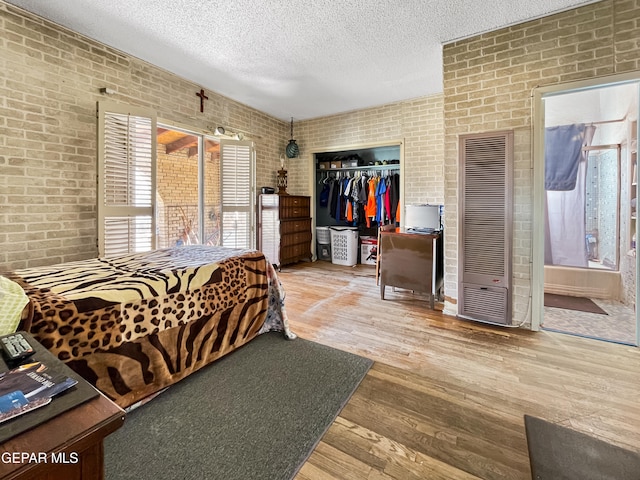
(134, 324)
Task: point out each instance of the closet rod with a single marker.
(608, 121)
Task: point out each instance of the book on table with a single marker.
(30, 386)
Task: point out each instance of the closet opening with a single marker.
(356, 190)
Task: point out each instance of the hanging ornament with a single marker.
(292, 148)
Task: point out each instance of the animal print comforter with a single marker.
(132, 325)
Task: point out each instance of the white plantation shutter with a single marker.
(238, 167)
(126, 179)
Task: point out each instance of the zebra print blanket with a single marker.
(134, 324)
(100, 282)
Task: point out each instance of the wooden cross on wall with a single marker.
(203, 97)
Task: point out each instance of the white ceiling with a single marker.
(295, 58)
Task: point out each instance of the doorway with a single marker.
(187, 214)
(587, 195)
(204, 190)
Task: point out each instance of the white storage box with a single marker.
(323, 235)
(344, 245)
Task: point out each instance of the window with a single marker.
(159, 186)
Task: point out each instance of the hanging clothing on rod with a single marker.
(361, 197)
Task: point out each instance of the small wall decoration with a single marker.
(203, 97)
(281, 181)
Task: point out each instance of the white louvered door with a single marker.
(126, 179)
(486, 226)
(238, 194)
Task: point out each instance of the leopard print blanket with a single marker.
(134, 324)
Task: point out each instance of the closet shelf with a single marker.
(390, 166)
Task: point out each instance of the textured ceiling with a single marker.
(295, 58)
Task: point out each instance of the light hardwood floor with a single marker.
(445, 398)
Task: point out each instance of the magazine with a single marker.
(29, 386)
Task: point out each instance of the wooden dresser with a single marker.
(284, 228)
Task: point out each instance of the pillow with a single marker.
(12, 302)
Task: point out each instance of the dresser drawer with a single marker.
(294, 207)
(294, 212)
(295, 238)
(294, 253)
(295, 226)
(295, 201)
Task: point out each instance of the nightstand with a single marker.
(62, 440)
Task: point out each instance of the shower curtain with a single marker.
(565, 185)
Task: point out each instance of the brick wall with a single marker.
(50, 79)
(417, 122)
(488, 83)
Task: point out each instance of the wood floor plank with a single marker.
(338, 464)
(356, 440)
(394, 459)
(446, 397)
(438, 439)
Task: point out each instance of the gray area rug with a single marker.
(257, 413)
(561, 453)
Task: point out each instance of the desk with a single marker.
(410, 260)
(67, 446)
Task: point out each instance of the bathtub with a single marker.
(583, 282)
